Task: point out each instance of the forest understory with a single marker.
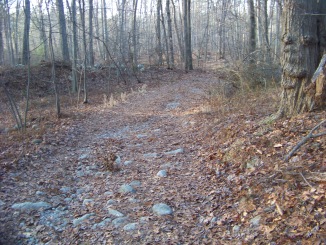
(191, 142)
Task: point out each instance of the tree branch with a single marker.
(305, 139)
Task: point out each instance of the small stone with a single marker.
(162, 173)
(102, 224)
(111, 202)
(65, 189)
(36, 141)
(150, 155)
(130, 226)
(133, 200)
(115, 212)
(181, 150)
(139, 136)
(82, 219)
(119, 221)
(255, 221)
(236, 229)
(2, 203)
(40, 193)
(162, 209)
(29, 206)
(126, 163)
(83, 156)
(135, 183)
(127, 189)
(108, 193)
(144, 219)
(35, 126)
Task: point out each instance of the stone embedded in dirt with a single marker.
(82, 219)
(172, 105)
(162, 173)
(127, 189)
(236, 229)
(111, 202)
(130, 226)
(55, 218)
(65, 189)
(36, 141)
(83, 156)
(162, 209)
(144, 219)
(255, 221)
(108, 193)
(29, 206)
(126, 163)
(133, 200)
(40, 193)
(150, 155)
(119, 221)
(102, 224)
(139, 136)
(115, 212)
(135, 183)
(174, 152)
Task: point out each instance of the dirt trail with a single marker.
(153, 130)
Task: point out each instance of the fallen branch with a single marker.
(305, 139)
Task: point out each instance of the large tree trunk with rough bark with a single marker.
(304, 42)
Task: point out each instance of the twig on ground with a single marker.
(305, 139)
(305, 180)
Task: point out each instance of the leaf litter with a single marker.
(229, 184)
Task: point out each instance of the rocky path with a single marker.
(64, 194)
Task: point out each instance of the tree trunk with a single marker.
(181, 48)
(158, 33)
(90, 27)
(252, 30)
(187, 34)
(303, 45)
(63, 31)
(167, 56)
(168, 13)
(43, 37)
(74, 47)
(134, 35)
(1, 37)
(27, 10)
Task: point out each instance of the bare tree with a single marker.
(187, 34)
(90, 26)
(170, 52)
(27, 10)
(63, 31)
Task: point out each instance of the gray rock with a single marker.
(174, 152)
(139, 136)
(108, 193)
(119, 221)
(144, 219)
(255, 221)
(83, 156)
(162, 173)
(236, 229)
(172, 105)
(150, 155)
(130, 226)
(40, 193)
(82, 219)
(115, 212)
(111, 202)
(102, 224)
(162, 209)
(1, 204)
(133, 200)
(29, 206)
(35, 126)
(126, 163)
(127, 189)
(135, 183)
(65, 189)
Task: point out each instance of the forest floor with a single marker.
(94, 175)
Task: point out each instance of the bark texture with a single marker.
(303, 45)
